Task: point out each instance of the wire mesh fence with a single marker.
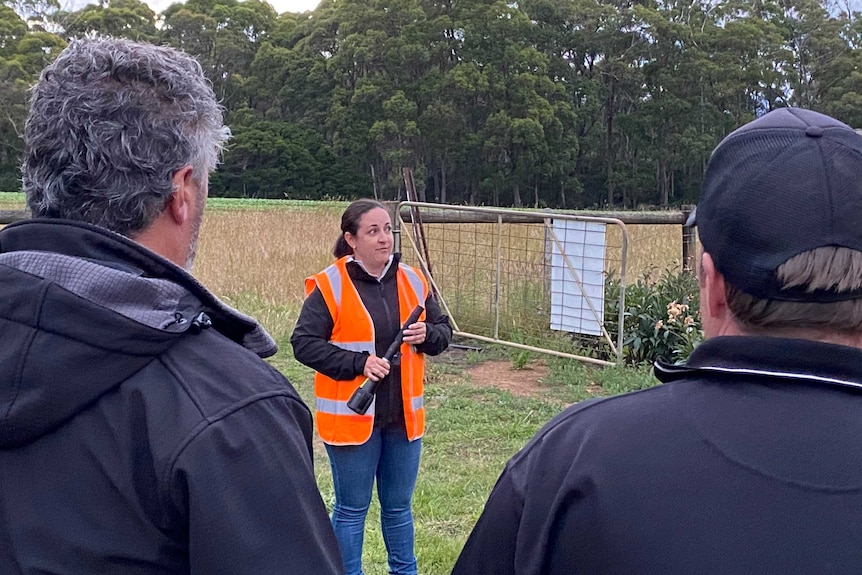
(542, 281)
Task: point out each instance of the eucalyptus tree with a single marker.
(376, 57)
(14, 81)
(273, 159)
(672, 104)
(25, 48)
(596, 51)
(40, 15)
(132, 19)
(224, 35)
(516, 110)
(815, 47)
(843, 94)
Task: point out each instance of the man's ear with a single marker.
(181, 205)
(713, 288)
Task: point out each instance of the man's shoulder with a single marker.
(624, 409)
(627, 422)
(218, 373)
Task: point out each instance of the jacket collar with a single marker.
(799, 360)
(356, 271)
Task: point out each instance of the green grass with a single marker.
(16, 201)
(241, 204)
(471, 432)
(12, 201)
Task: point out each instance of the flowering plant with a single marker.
(662, 316)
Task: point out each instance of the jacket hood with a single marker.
(82, 310)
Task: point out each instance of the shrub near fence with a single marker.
(662, 316)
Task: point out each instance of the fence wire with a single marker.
(496, 275)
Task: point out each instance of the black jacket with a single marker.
(748, 460)
(140, 433)
(313, 330)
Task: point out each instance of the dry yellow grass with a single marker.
(269, 252)
(257, 259)
(650, 247)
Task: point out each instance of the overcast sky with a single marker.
(294, 5)
(159, 5)
(279, 5)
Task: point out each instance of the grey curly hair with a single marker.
(110, 122)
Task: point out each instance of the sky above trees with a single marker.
(159, 5)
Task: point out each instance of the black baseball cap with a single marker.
(788, 182)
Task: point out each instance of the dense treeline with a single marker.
(565, 103)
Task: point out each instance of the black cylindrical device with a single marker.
(361, 399)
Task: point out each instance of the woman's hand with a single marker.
(415, 333)
(376, 368)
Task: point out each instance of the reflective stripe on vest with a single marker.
(339, 407)
(358, 346)
(335, 281)
(354, 331)
(417, 282)
(336, 407)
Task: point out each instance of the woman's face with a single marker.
(372, 244)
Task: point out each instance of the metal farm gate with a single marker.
(546, 282)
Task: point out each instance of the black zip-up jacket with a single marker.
(313, 330)
(748, 460)
(140, 432)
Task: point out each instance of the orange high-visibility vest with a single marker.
(353, 330)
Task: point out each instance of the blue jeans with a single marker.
(394, 461)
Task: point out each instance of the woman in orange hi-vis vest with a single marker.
(352, 312)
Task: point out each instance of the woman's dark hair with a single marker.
(350, 223)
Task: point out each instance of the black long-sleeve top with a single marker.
(311, 347)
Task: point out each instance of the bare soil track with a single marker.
(499, 373)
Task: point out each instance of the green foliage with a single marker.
(131, 19)
(242, 204)
(12, 201)
(557, 103)
(661, 318)
(520, 357)
(270, 159)
(472, 357)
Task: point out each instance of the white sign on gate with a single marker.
(578, 277)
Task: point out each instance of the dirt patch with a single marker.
(523, 382)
